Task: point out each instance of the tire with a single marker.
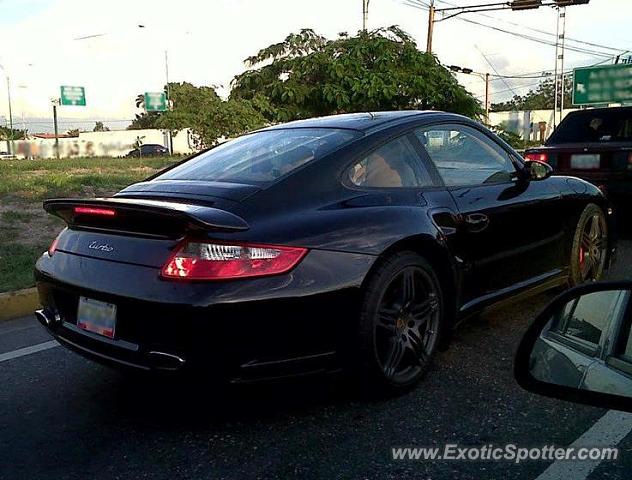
(590, 247)
(400, 323)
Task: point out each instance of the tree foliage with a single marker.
(542, 98)
(99, 127)
(200, 108)
(307, 75)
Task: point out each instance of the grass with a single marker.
(26, 230)
(40, 179)
(10, 217)
(16, 265)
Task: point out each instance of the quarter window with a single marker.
(464, 156)
(395, 164)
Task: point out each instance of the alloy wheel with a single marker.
(406, 327)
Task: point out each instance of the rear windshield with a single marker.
(613, 125)
(261, 157)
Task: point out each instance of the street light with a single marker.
(10, 139)
(483, 76)
(515, 5)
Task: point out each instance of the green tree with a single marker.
(6, 133)
(99, 127)
(307, 75)
(542, 98)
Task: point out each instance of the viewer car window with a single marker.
(261, 157)
(464, 156)
(395, 164)
(587, 317)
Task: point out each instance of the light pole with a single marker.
(168, 89)
(515, 5)
(10, 139)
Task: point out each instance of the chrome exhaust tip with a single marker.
(165, 361)
(43, 318)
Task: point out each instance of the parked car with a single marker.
(355, 240)
(7, 156)
(593, 144)
(580, 347)
(149, 149)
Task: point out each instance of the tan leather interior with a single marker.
(380, 173)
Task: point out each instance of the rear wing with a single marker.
(142, 216)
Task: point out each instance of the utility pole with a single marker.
(56, 102)
(168, 92)
(431, 22)
(365, 14)
(556, 72)
(10, 139)
(563, 38)
(487, 98)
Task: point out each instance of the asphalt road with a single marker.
(63, 417)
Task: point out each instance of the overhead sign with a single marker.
(73, 96)
(155, 101)
(602, 85)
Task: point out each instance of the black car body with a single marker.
(487, 236)
(149, 150)
(596, 145)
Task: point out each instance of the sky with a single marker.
(41, 46)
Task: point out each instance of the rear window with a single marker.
(612, 125)
(261, 157)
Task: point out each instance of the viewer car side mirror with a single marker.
(580, 347)
(537, 170)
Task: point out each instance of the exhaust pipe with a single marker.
(43, 318)
(46, 319)
(165, 361)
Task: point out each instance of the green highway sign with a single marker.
(155, 101)
(602, 85)
(73, 96)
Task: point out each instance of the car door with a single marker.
(508, 233)
(398, 168)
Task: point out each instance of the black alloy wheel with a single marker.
(404, 317)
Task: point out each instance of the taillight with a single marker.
(53, 246)
(630, 161)
(537, 157)
(216, 261)
(107, 212)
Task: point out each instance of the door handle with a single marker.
(477, 221)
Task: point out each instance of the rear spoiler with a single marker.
(140, 209)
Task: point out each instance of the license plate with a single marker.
(585, 161)
(97, 317)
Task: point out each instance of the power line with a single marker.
(419, 5)
(515, 24)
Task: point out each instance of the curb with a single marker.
(18, 303)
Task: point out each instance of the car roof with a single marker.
(365, 122)
(600, 110)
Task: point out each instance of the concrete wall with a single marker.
(99, 144)
(527, 123)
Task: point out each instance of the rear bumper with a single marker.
(241, 331)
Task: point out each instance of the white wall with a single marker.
(526, 123)
(99, 144)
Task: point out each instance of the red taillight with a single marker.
(53, 246)
(216, 261)
(537, 157)
(108, 212)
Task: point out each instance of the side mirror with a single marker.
(537, 170)
(580, 347)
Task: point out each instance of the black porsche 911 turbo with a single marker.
(353, 241)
